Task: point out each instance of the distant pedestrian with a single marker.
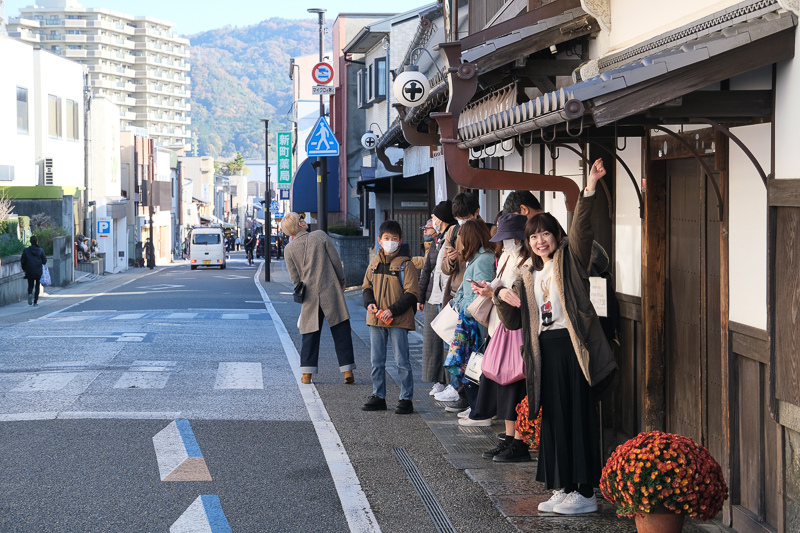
(312, 259)
(391, 291)
(32, 261)
(185, 248)
(238, 243)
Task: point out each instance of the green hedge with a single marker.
(47, 236)
(347, 230)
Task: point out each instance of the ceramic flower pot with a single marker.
(659, 521)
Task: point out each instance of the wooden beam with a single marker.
(717, 105)
(654, 278)
(783, 193)
(547, 67)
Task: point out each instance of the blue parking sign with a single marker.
(104, 227)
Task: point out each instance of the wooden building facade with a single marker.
(696, 111)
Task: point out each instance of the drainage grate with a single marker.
(432, 505)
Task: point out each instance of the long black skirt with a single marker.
(499, 400)
(569, 451)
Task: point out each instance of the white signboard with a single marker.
(598, 292)
(103, 228)
(322, 89)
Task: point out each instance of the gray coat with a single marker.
(312, 259)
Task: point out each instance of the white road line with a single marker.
(142, 380)
(239, 376)
(129, 316)
(232, 316)
(49, 381)
(354, 502)
(89, 415)
(182, 315)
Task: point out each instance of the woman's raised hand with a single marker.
(510, 297)
(597, 172)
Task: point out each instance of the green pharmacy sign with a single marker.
(285, 160)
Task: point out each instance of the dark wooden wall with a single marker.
(481, 12)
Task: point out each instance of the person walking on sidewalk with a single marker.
(32, 262)
(312, 259)
(390, 290)
(567, 357)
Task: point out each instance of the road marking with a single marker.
(161, 287)
(182, 315)
(354, 502)
(239, 376)
(178, 454)
(146, 375)
(231, 316)
(205, 515)
(129, 316)
(49, 381)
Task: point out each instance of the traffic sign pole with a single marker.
(322, 161)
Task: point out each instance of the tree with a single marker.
(5, 206)
(232, 168)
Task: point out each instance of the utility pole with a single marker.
(151, 175)
(267, 201)
(322, 161)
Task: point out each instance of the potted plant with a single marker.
(659, 476)
(529, 430)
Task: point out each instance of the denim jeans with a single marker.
(378, 337)
(342, 341)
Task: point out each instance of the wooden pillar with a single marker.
(654, 264)
(728, 384)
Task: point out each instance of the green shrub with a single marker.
(347, 229)
(11, 246)
(46, 237)
(9, 227)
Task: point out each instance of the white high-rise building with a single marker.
(134, 61)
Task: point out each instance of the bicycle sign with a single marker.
(322, 73)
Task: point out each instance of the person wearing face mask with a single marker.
(495, 399)
(431, 285)
(567, 357)
(391, 292)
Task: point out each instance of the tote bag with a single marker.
(502, 362)
(45, 279)
(445, 323)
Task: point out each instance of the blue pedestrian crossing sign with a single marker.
(322, 142)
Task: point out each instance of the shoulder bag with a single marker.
(445, 323)
(502, 362)
(300, 289)
(474, 370)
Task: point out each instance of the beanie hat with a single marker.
(444, 212)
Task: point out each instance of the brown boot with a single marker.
(305, 379)
(349, 379)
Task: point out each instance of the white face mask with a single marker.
(461, 221)
(437, 228)
(511, 246)
(390, 247)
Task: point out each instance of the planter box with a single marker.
(354, 253)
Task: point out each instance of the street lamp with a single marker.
(267, 200)
(322, 161)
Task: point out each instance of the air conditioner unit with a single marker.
(48, 171)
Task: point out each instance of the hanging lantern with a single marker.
(411, 87)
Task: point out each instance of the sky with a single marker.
(194, 16)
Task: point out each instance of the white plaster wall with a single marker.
(567, 165)
(628, 230)
(747, 208)
(104, 146)
(787, 117)
(62, 78)
(633, 21)
(18, 149)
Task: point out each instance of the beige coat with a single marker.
(312, 259)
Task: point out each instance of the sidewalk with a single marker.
(511, 487)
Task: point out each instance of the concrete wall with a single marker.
(18, 147)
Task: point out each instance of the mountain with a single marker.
(241, 75)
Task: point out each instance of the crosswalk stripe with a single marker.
(231, 316)
(182, 315)
(204, 515)
(239, 376)
(49, 381)
(146, 375)
(129, 316)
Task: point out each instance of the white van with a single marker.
(207, 246)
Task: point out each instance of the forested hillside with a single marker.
(240, 75)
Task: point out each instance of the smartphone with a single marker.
(470, 280)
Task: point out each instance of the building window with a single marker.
(362, 88)
(72, 120)
(54, 116)
(22, 110)
(377, 80)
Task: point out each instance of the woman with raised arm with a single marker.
(566, 354)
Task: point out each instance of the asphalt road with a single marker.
(95, 385)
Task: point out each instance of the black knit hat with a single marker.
(444, 212)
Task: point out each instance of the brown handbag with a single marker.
(481, 307)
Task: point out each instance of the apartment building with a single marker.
(137, 62)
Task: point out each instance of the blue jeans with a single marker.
(378, 337)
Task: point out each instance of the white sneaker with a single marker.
(574, 503)
(557, 497)
(437, 388)
(447, 395)
(474, 423)
(464, 414)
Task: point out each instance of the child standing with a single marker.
(391, 291)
